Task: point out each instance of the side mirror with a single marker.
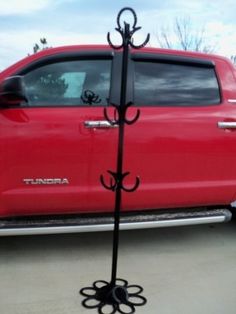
(12, 91)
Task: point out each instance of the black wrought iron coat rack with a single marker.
(117, 295)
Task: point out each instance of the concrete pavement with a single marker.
(183, 270)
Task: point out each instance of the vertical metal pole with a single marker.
(102, 292)
(119, 168)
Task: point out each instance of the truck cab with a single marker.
(55, 141)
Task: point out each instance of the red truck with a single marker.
(55, 142)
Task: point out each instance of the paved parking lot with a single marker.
(183, 270)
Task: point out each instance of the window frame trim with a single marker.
(72, 56)
(177, 60)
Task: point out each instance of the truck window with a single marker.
(173, 84)
(69, 83)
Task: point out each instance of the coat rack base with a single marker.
(111, 298)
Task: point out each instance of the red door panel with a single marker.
(54, 143)
(182, 157)
(38, 143)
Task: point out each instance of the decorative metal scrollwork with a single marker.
(127, 33)
(116, 182)
(90, 98)
(122, 113)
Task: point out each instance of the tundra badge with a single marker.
(46, 181)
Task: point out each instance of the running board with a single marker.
(90, 223)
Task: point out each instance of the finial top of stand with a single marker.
(127, 31)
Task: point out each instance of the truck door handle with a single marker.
(103, 124)
(226, 125)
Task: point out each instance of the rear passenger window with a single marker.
(70, 83)
(172, 84)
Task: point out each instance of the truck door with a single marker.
(51, 160)
(176, 147)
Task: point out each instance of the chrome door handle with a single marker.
(226, 125)
(103, 124)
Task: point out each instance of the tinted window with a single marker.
(164, 84)
(70, 83)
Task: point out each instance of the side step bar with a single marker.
(90, 223)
